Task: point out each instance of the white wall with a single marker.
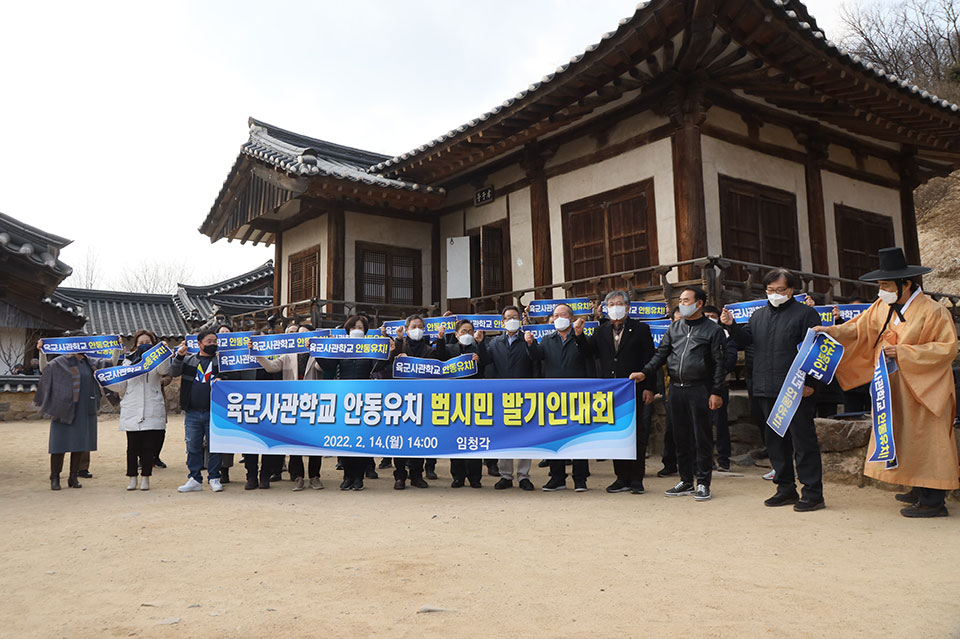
(300, 238)
(722, 158)
(838, 189)
(391, 231)
(651, 161)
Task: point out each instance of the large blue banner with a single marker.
(236, 360)
(351, 348)
(643, 310)
(406, 367)
(742, 311)
(885, 449)
(542, 330)
(284, 343)
(544, 308)
(510, 418)
(150, 360)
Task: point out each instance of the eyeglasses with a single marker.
(778, 291)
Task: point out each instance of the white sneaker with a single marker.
(132, 484)
(769, 476)
(191, 486)
(215, 485)
(144, 483)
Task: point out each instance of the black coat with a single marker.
(564, 359)
(636, 349)
(775, 333)
(694, 352)
(510, 361)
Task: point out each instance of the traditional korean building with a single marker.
(701, 140)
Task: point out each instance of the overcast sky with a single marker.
(121, 120)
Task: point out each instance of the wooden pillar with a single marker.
(435, 248)
(909, 180)
(539, 217)
(277, 266)
(687, 109)
(817, 153)
(336, 234)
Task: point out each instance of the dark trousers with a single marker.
(632, 470)
(85, 461)
(142, 449)
(798, 445)
(295, 466)
(471, 469)
(692, 432)
(400, 465)
(669, 458)
(932, 497)
(722, 424)
(270, 466)
(581, 469)
(353, 467)
(56, 464)
(163, 438)
(430, 464)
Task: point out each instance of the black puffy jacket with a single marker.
(775, 333)
(693, 351)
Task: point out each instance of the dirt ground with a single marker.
(104, 562)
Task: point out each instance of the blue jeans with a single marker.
(196, 426)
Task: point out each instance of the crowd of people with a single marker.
(689, 370)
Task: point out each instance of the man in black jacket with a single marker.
(511, 356)
(564, 354)
(693, 349)
(622, 346)
(197, 372)
(775, 331)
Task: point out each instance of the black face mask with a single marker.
(209, 349)
(143, 348)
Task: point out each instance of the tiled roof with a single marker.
(40, 248)
(120, 313)
(19, 383)
(263, 275)
(793, 12)
(300, 155)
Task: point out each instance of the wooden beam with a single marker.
(435, 248)
(336, 256)
(817, 154)
(909, 180)
(277, 268)
(539, 217)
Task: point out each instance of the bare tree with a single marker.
(152, 276)
(916, 40)
(14, 351)
(89, 274)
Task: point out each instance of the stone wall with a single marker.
(19, 406)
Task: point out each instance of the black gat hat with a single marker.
(893, 266)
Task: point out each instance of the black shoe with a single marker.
(73, 483)
(526, 484)
(503, 484)
(555, 483)
(475, 483)
(580, 485)
(636, 487)
(918, 511)
(85, 474)
(399, 484)
(782, 499)
(544, 463)
(385, 463)
(806, 506)
(339, 466)
(264, 484)
(431, 474)
(55, 483)
(159, 463)
(371, 473)
(276, 477)
(418, 482)
(723, 467)
(457, 482)
(703, 493)
(224, 475)
(252, 483)
(493, 470)
(618, 487)
(346, 484)
(681, 489)
(666, 472)
(357, 484)
(909, 497)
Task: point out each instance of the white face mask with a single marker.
(617, 312)
(357, 333)
(512, 325)
(776, 299)
(688, 309)
(466, 339)
(561, 323)
(890, 297)
(416, 334)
